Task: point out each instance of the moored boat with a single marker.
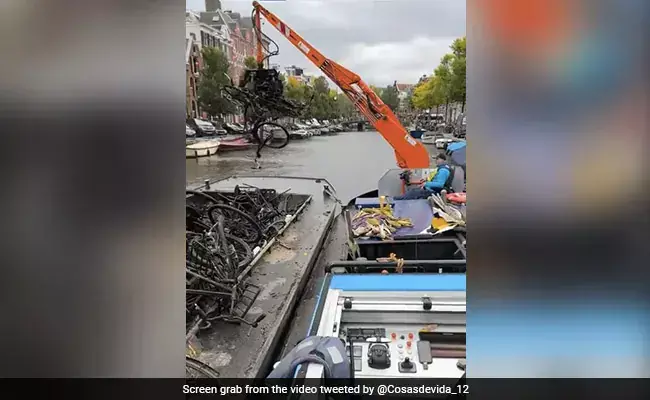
(203, 148)
(300, 134)
(440, 140)
(235, 143)
(429, 138)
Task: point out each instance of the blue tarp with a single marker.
(420, 213)
(456, 145)
(459, 156)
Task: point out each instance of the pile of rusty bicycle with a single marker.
(224, 234)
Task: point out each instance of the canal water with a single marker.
(352, 161)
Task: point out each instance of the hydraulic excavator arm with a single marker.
(409, 152)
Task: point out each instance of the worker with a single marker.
(441, 179)
(328, 351)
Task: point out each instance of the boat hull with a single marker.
(199, 150)
(235, 144)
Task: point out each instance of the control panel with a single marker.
(397, 325)
(386, 352)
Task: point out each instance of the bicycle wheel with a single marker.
(237, 223)
(271, 134)
(196, 369)
(193, 222)
(243, 250)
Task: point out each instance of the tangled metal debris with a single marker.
(224, 233)
(261, 97)
(196, 369)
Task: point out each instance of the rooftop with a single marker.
(404, 86)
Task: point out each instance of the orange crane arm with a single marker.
(409, 152)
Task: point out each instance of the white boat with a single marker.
(439, 140)
(428, 138)
(300, 134)
(204, 148)
(308, 127)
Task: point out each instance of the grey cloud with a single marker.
(338, 28)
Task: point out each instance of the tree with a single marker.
(320, 85)
(322, 99)
(421, 96)
(429, 94)
(448, 82)
(376, 90)
(294, 89)
(250, 62)
(344, 107)
(323, 102)
(213, 78)
(459, 71)
(390, 97)
(452, 74)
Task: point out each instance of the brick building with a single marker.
(404, 90)
(192, 68)
(222, 29)
(241, 33)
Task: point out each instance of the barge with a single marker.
(310, 270)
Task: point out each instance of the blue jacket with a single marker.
(439, 179)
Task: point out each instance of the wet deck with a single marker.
(334, 250)
(282, 273)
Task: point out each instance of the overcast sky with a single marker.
(381, 40)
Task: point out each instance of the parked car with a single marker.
(189, 132)
(202, 128)
(309, 127)
(298, 131)
(232, 129)
(218, 126)
(460, 126)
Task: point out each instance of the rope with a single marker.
(400, 262)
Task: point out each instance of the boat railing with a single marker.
(404, 266)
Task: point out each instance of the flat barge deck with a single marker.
(282, 273)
